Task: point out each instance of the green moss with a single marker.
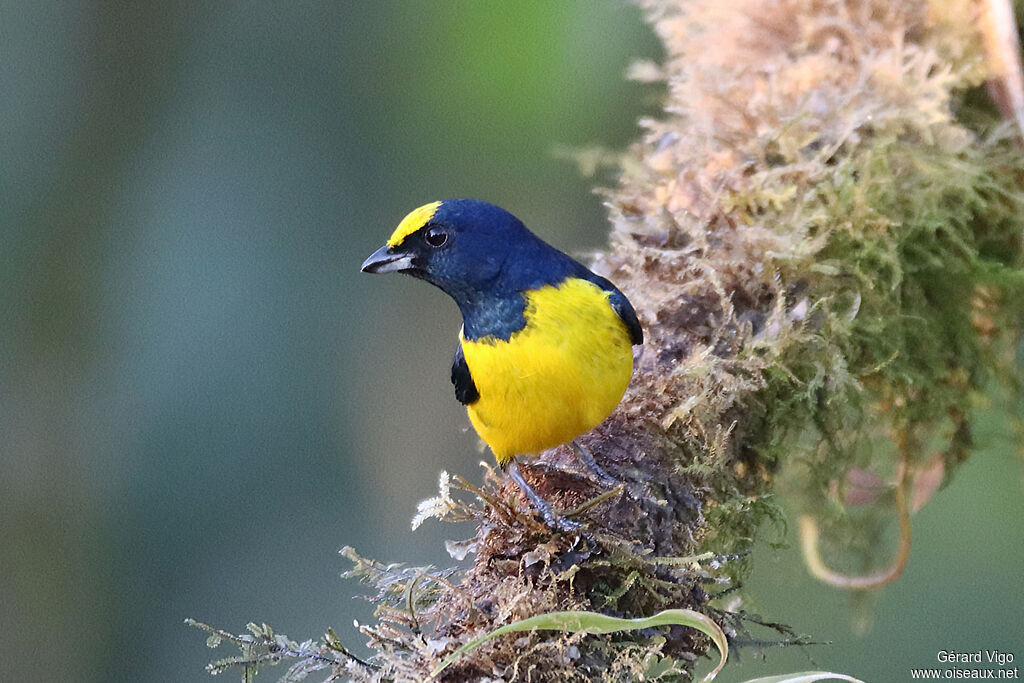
(922, 256)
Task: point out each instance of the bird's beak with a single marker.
(384, 260)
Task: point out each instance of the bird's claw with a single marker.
(588, 461)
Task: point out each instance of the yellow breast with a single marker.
(558, 377)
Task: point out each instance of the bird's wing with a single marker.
(465, 389)
(624, 309)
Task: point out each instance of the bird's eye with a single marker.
(436, 237)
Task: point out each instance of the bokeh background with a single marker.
(202, 399)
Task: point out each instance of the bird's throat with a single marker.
(498, 317)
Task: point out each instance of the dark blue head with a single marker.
(480, 255)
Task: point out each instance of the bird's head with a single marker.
(459, 245)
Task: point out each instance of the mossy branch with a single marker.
(823, 238)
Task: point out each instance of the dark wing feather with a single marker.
(465, 389)
(624, 309)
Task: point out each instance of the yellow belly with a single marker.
(555, 379)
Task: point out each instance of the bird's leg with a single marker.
(551, 518)
(588, 460)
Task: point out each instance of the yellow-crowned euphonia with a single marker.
(544, 352)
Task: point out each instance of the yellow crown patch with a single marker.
(416, 219)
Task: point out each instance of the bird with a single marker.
(545, 350)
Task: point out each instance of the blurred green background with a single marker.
(201, 399)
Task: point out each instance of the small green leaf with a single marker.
(593, 622)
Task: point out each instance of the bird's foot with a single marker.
(560, 523)
(551, 518)
(588, 461)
